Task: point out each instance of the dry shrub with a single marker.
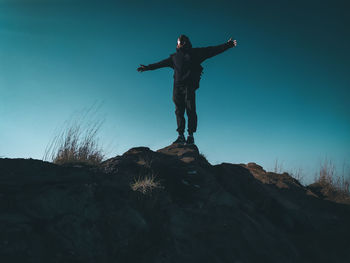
(77, 142)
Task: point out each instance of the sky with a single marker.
(281, 94)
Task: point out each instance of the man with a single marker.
(186, 63)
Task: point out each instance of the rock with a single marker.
(194, 212)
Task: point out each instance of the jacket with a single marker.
(187, 62)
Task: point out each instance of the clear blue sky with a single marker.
(283, 92)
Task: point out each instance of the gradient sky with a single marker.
(282, 93)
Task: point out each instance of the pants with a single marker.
(184, 97)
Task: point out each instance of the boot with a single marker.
(190, 140)
(180, 139)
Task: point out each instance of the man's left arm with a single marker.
(208, 52)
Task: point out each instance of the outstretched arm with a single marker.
(161, 64)
(208, 52)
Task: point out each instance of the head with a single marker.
(183, 42)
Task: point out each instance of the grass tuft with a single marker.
(145, 185)
(332, 184)
(77, 143)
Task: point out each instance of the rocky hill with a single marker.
(165, 206)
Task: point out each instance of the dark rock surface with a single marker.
(200, 212)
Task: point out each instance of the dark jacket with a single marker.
(186, 62)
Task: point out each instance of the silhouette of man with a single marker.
(186, 62)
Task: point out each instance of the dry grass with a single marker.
(77, 142)
(333, 186)
(145, 185)
(278, 168)
(298, 175)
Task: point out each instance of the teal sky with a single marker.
(283, 92)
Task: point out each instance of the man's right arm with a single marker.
(161, 64)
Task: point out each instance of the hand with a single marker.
(142, 68)
(232, 42)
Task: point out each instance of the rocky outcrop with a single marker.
(196, 212)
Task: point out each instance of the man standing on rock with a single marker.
(186, 63)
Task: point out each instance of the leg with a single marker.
(179, 100)
(191, 109)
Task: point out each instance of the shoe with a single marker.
(180, 139)
(190, 140)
